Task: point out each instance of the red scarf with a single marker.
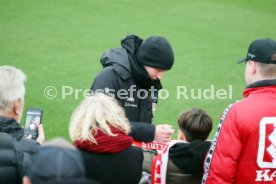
(106, 143)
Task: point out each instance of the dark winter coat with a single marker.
(18, 151)
(185, 164)
(11, 160)
(124, 167)
(11, 127)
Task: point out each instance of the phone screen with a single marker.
(32, 121)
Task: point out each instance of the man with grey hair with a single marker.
(12, 92)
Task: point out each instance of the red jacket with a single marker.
(244, 146)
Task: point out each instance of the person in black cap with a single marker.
(244, 147)
(132, 74)
(57, 162)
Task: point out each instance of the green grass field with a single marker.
(59, 43)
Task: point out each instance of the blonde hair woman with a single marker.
(100, 130)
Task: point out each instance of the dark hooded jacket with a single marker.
(11, 160)
(16, 153)
(121, 72)
(189, 157)
(11, 127)
(185, 164)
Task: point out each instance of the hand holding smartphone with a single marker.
(32, 121)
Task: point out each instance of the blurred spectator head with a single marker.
(57, 162)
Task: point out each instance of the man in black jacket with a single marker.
(132, 73)
(12, 91)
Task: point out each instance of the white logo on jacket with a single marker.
(267, 150)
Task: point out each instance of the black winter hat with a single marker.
(156, 52)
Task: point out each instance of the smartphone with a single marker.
(32, 121)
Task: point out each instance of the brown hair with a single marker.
(195, 124)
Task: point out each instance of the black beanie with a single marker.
(155, 52)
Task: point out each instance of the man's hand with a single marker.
(41, 136)
(163, 133)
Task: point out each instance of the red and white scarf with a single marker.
(150, 145)
(160, 163)
(105, 143)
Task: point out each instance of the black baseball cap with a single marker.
(262, 51)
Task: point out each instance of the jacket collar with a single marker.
(11, 126)
(259, 86)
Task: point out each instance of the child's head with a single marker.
(194, 124)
